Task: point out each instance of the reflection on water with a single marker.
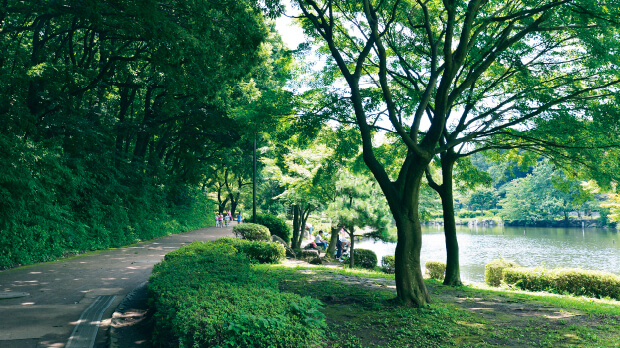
(596, 249)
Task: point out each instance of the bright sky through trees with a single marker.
(291, 33)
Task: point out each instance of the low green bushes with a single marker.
(388, 264)
(259, 251)
(565, 280)
(276, 226)
(207, 294)
(466, 214)
(493, 271)
(251, 231)
(435, 269)
(365, 258)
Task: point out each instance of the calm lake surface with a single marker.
(590, 248)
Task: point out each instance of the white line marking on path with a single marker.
(85, 331)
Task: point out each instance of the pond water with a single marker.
(590, 248)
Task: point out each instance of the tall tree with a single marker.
(126, 101)
(468, 175)
(546, 194)
(359, 208)
(447, 73)
(296, 169)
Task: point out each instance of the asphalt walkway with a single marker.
(56, 304)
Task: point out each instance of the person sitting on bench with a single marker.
(320, 241)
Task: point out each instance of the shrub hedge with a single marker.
(365, 258)
(436, 269)
(275, 225)
(252, 231)
(388, 263)
(493, 271)
(565, 280)
(258, 251)
(207, 294)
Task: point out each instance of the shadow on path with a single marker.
(41, 303)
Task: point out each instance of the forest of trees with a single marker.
(116, 114)
(124, 120)
(539, 195)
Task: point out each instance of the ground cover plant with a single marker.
(435, 269)
(494, 271)
(388, 263)
(207, 294)
(252, 231)
(365, 258)
(361, 312)
(565, 280)
(276, 226)
(207, 284)
(257, 251)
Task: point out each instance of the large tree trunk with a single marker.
(221, 202)
(144, 132)
(305, 213)
(234, 198)
(351, 232)
(445, 191)
(296, 240)
(404, 204)
(410, 286)
(453, 272)
(403, 194)
(233, 205)
(331, 249)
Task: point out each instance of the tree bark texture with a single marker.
(302, 226)
(296, 224)
(352, 247)
(331, 249)
(453, 272)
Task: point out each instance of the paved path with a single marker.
(40, 305)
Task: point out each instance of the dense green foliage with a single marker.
(565, 280)
(388, 263)
(537, 193)
(276, 226)
(494, 271)
(207, 294)
(365, 258)
(544, 194)
(452, 78)
(252, 231)
(110, 112)
(435, 269)
(257, 251)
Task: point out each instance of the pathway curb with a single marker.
(118, 315)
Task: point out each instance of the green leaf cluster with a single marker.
(494, 271)
(257, 251)
(276, 226)
(113, 111)
(251, 231)
(207, 294)
(435, 269)
(573, 281)
(365, 258)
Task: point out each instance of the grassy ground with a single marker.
(361, 312)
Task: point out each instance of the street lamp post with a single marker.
(254, 183)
